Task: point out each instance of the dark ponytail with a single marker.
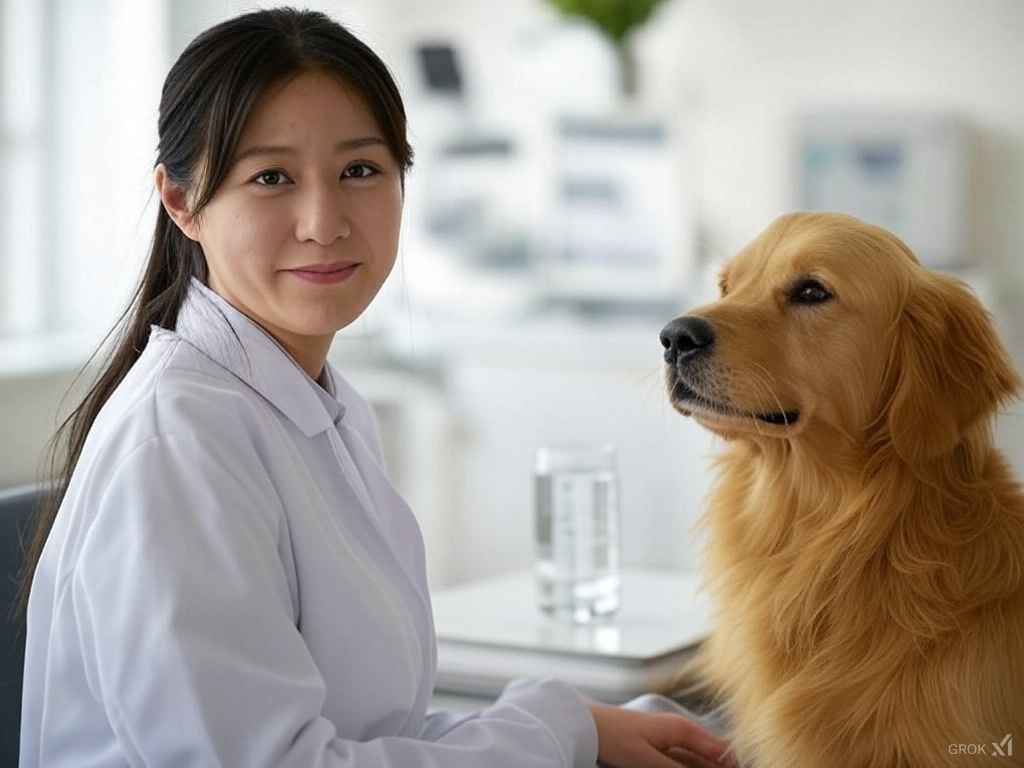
(206, 99)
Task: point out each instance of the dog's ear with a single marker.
(948, 369)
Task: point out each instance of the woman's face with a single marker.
(303, 230)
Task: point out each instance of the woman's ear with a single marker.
(174, 198)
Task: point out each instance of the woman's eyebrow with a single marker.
(263, 150)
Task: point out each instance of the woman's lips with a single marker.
(325, 274)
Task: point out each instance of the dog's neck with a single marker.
(777, 502)
(782, 494)
(837, 461)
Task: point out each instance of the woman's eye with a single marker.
(809, 291)
(359, 171)
(270, 178)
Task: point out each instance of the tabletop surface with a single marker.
(491, 631)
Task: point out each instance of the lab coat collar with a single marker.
(224, 334)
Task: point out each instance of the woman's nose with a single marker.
(322, 217)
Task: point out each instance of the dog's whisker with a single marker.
(654, 383)
(762, 382)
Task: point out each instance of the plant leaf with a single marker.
(615, 18)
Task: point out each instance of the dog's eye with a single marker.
(809, 291)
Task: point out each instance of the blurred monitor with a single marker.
(905, 172)
(439, 63)
(623, 229)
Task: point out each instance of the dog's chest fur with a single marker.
(838, 608)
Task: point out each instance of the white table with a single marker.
(491, 631)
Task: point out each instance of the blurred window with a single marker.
(22, 165)
(79, 89)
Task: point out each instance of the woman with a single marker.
(231, 579)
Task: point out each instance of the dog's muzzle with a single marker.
(686, 341)
(689, 342)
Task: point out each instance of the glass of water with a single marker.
(577, 531)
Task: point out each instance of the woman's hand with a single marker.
(631, 739)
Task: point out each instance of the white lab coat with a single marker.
(232, 580)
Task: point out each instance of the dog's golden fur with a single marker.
(865, 537)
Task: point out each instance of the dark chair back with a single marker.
(16, 507)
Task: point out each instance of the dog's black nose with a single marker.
(684, 336)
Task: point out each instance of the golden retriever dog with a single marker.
(865, 538)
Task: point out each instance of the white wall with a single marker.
(741, 69)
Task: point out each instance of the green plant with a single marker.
(616, 19)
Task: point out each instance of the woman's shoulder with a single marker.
(172, 370)
(174, 388)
